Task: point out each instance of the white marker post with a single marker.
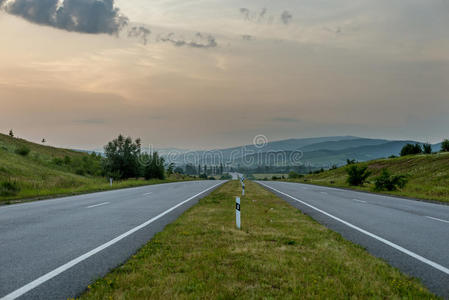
(237, 212)
(110, 181)
(243, 189)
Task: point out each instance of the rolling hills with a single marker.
(29, 170)
(321, 152)
(428, 176)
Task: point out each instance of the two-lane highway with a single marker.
(53, 249)
(411, 235)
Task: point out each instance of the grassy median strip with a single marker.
(279, 253)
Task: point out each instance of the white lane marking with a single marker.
(380, 239)
(361, 201)
(37, 282)
(146, 194)
(96, 205)
(441, 220)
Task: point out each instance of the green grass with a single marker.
(39, 176)
(279, 253)
(428, 176)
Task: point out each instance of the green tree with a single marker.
(387, 182)
(11, 134)
(350, 161)
(445, 146)
(294, 175)
(170, 169)
(427, 148)
(411, 149)
(357, 176)
(154, 166)
(122, 158)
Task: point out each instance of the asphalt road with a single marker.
(412, 236)
(53, 249)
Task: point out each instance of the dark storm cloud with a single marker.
(87, 16)
(200, 41)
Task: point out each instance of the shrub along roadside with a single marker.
(280, 253)
(357, 175)
(388, 182)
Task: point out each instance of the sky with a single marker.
(197, 74)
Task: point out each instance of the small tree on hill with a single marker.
(350, 161)
(357, 176)
(411, 149)
(11, 134)
(445, 146)
(427, 148)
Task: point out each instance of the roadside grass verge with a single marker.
(89, 185)
(279, 253)
(428, 176)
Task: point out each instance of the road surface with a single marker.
(53, 249)
(411, 235)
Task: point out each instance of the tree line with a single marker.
(124, 159)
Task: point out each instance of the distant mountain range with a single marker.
(316, 152)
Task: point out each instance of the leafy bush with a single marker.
(67, 160)
(9, 188)
(387, 182)
(351, 161)
(294, 175)
(58, 161)
(357, 176)
(22, 150)
(445, 146)
(411, 149)
(80, 172)
(427, 148)
(203, 176)
(226, 177)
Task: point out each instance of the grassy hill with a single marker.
(29, 170)
(428, 176)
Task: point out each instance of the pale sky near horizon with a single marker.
(284, 69)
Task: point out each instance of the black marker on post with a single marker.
(237, 211)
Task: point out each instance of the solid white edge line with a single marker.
(436, 219)
(96, 205)
(35, 283)
(380, 239)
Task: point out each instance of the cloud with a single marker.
(247, 37)
(263, 16)
(86, 16)
(286, 17)
(199, 41)
(139, 32)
